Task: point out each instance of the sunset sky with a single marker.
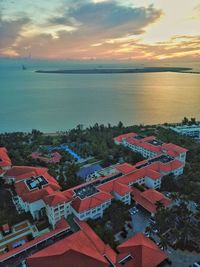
(100, 29)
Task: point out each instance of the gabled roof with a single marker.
(173, 147)
(4, 158)
(115, 187)
(55, 198)
(24, 172)
(30, 196)
(120, 137)
(125, 168)
(144, 252)
(81, 205)
(149, 198)
(82, 249)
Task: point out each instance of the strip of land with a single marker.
(119, 70)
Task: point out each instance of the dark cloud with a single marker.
(10, 30)
(108, 17)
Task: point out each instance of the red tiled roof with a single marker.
(38, 193)
(77, 250)
(174, 147)
(55, 198)
(144, 252)
(152, 174)
(132, 177)
(115, 186)
(120, 137)
(125, 168)
(148, 199)
(24, 172)
(103, 248)
(4, 158)
(81, 205)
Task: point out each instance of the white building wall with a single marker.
(93, 213)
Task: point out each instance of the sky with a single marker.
(101, 29)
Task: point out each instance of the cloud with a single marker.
(93, 23)
(10, 30)
(108, 17)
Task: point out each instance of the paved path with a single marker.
(181, 258)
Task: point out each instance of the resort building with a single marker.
(188, 130)
(150, 199)
(39, 193)
(138, 251)
(150, 147)
(81, 249)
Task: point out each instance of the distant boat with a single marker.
(24, 67)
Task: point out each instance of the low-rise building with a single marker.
(150, 199)
(188, 130)
(138, 251)
(150, 147)
(81, 249)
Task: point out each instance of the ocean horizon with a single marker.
(56, 102)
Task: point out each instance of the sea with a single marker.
(59, 102)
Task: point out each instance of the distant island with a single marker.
(119, 70)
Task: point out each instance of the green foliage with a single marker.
(112, 222)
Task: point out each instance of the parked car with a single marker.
(133, 210)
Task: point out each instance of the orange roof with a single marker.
(24, 172)
(149, 198)
(38, 193)
(115, 186)
(144, 252)
(4, 158)
(81, 205)
(174, 147)
(127, 135)
(55, 198)
(81, 249)
(125, 168)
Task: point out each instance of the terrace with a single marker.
(36, 182)
(90, 189)
(86, 191)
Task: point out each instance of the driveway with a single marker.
(140, 221)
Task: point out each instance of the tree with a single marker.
(159, 205)
(185, 121)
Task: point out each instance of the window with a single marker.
(126, 259)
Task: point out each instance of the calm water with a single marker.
(51, 102)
